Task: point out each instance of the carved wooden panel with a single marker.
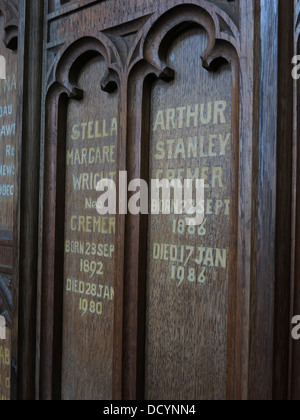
(8, 172)
(186, 294)
(188, 267)
(81, 270)
(86, 258)
(88, 304)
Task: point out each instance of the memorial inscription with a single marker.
(92, 129)
(187, 285)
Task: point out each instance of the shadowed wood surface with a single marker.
(8, 188)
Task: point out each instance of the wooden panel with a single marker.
(142, 306)
(8, 112)
(167, 122)
(188, 267)
(5, 363)
(78, 269)
(89, 241)
(294, 385)
(8, 172)
(284, 201)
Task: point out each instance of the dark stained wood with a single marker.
(132, 388)
(9, 89)
(21, 32)
(271, 208)
(62, 273)
(294, 364)
(283, 203)
(89, 240)
(26, 232)
(109, 67)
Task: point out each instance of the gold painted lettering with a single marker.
(75, 132)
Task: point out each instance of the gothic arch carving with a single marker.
(74, 55)
(9, 10)
(63, 86)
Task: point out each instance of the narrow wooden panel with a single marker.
(294, 385)
(89, 255)
(189, 267)
(8, 131)
(5, 362)
(8, 113)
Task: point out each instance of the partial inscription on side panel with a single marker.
(8, 115)
(92, 130)
(187, 282)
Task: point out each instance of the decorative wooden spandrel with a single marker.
(189, 266)
(89, 254)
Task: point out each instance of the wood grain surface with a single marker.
(188, 267)
(196, 88)
(92, 130)
(8, 193)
